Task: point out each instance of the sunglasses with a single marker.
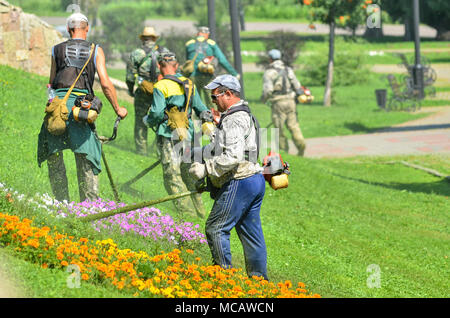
(214, 97)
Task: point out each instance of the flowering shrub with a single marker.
(146, 222)
(174, 274)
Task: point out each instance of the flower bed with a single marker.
(174, 274)
(146, 222)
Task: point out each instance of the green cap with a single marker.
(167, 57)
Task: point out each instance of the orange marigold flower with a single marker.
(85, 277)
(64, 263)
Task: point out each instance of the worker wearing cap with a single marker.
(280, 87)
(142, 66)
(68, 58)
(202, 48)
(235, 179)
(166, 95)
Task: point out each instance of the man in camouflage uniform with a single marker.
(280, 87)
(142, 66)
(202, 48)
(168, 94)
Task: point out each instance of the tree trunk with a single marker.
(327, 94)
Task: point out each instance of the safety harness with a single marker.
(249, 155)
(176, 120)
(282, 73)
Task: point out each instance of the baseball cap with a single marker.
(167, 56)
(203, 29)
(227, 80)
(274, 54)
(74, 20)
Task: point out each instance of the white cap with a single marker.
(75, 19)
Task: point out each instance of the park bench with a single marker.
(403, 95)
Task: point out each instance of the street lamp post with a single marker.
(234, 15)
(212, 19)
(418, 67)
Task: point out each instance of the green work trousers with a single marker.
(87, 180)
(177, 179)
(142, 103)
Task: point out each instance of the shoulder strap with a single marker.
(254, 123)
(282, 72)
(66, 97)
(188, 88)
(149, 55)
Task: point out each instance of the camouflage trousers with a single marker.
(200, 82)
(87, 180)
(284, 113)
(177, 179)
(142, 103)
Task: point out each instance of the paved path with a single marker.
(164, 25)
(423, 136)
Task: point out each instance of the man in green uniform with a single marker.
(280, 87)
(206, 55)
(169, 96)
(68, 58)
(142, 68)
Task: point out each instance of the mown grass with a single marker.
(375, 52)
(338, 216)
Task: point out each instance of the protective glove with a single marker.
(206, 116)
(198, 170)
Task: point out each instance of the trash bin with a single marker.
(381, 95)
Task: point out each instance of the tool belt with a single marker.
(86, 108)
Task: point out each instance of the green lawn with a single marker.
(375, 52)
(338, 217)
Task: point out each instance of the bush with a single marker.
(38, 7)
(349, 69)
(284, 10)
(122, 35)
(288, 43)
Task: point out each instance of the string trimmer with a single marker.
(126, 185)
(141, 205)
(104, 140)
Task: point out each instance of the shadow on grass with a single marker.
(441, 187)
(357, 127)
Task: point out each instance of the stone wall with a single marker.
(26, 40)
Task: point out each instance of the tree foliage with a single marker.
(435, 13)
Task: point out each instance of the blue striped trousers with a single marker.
(238, 205)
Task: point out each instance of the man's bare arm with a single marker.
(52, 71)
(107, 86)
